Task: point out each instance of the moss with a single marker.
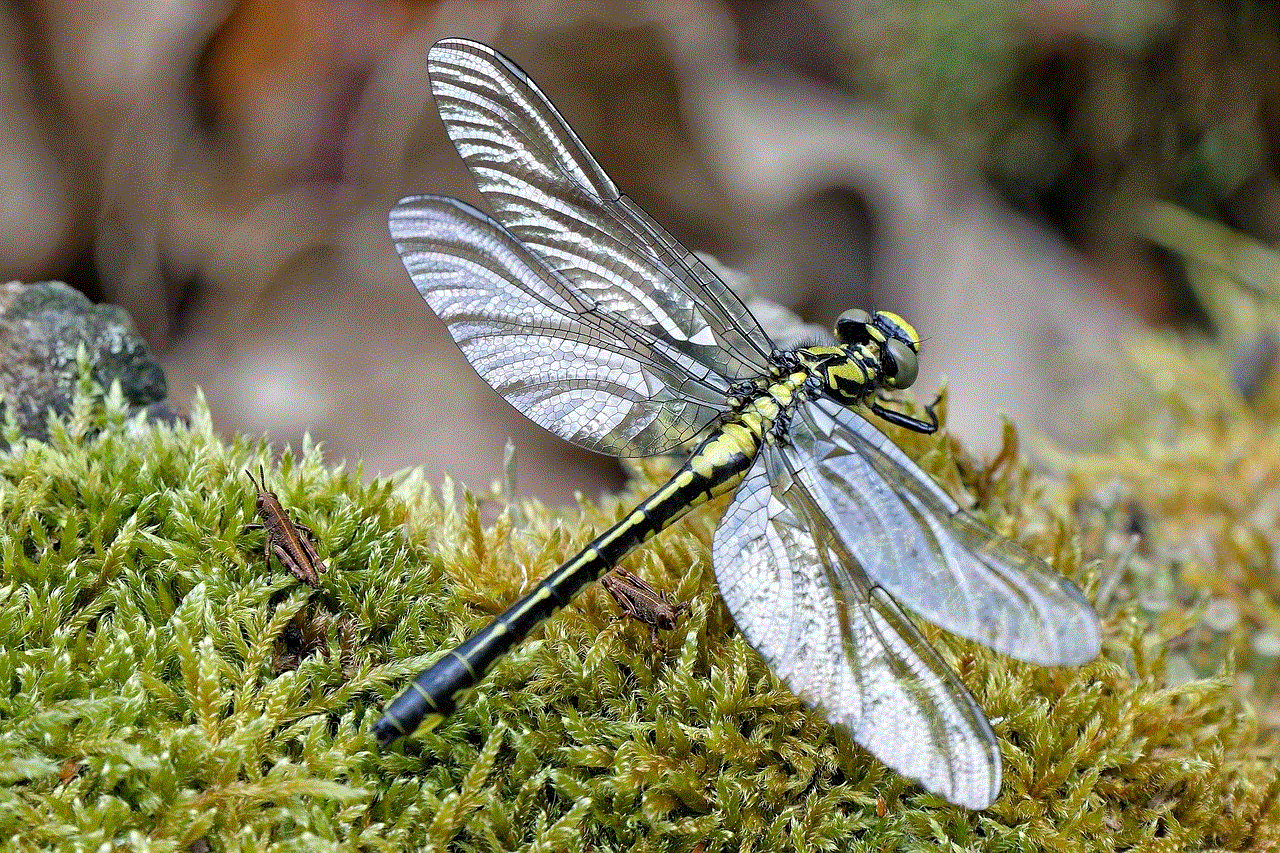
(1186, 501)
(145, 705)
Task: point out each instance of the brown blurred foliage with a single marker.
(223, 171)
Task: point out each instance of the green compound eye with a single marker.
(903, 364)
(853, 327)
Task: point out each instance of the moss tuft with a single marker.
(146, 702)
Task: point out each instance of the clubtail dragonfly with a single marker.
(592, 320)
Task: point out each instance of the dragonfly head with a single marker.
(897, 341)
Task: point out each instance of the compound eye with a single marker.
(903, 366)
(851, 327)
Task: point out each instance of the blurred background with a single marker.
(223, 171)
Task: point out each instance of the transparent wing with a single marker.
(548, 191)
(929, 553)
(592, 377)
(842, 645)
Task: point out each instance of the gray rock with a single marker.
(42, 325)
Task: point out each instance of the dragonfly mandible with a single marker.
(598, 325)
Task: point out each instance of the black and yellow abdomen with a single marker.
(716, 467)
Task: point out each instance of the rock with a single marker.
(42, 326)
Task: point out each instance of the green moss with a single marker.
(145, 704)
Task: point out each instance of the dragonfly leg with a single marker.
(902, 419)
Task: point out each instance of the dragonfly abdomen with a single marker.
(716, 467)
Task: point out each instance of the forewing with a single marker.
(805, 605)
(930, 554)
(548, 190)
(591, 377)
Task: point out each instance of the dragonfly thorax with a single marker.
(875, 352)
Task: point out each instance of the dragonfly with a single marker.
(598, 325)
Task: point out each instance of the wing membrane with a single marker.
(585, 374)
(807, 607)
(548, 191)
(931, 554)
